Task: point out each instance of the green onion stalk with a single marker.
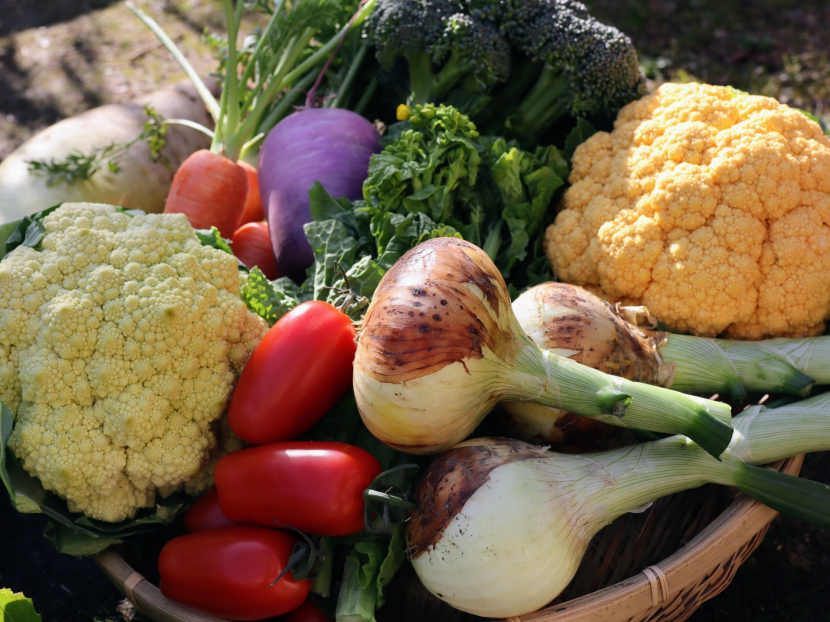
(621, 341)
(503, 525)
(279, 66)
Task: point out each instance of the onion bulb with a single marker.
(440, 347)
(503, 524)
(617, 340)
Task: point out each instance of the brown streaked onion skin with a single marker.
(442, 304)
(428, 318)
(575, 323)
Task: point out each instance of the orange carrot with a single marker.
(252, 245)
(210, 190)
(253, 202)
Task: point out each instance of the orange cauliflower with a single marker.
(710, 207)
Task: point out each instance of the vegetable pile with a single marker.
(272, 362)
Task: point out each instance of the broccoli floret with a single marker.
(443, 45)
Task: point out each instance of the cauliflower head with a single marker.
(710, 207)
(120, 343)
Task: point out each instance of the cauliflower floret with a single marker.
(710, 207)
(120, 343)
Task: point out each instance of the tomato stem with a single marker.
(399, 499)
(349, 297)
(305, 552)
(386, 499)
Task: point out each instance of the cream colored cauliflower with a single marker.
(710, 207)
(120, 343)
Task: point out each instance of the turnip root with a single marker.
(329, 145)
(140, 184)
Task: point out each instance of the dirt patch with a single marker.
(50, 71)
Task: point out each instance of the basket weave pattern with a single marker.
(688, 600)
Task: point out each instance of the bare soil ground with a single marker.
(59, 57)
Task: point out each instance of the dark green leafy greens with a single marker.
(582, 132)
(211, 237)
(369, 567)
(486, 189)
(27, 231)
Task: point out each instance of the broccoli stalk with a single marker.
(544, 104)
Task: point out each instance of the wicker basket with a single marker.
(669, 591)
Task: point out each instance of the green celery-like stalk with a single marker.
(643, 473)
(582, 390)
(701, 366)
(810, 355)
(711, 365)
(355, 603)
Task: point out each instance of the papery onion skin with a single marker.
(578, 325)
(412, 331)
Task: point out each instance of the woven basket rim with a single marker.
(647, 591)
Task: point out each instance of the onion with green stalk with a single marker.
(440, 347)
(619, 340)
(503, 524)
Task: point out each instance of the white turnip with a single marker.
(140, 184)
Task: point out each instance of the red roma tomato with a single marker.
(227, 571)
(252, 245)
(314, 487)
(307, 612)
(205, 513)
(297, 373)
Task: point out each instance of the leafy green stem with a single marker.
(344, 91)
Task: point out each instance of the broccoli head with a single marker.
(539, 60)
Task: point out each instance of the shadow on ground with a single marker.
(20, 15)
